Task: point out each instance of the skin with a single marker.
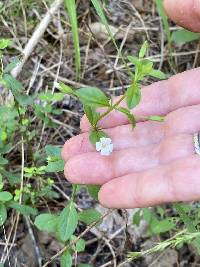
(155, 163)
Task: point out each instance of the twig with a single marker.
(37, 35)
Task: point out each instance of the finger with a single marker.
(180, 121)
(178, 181)
(185, 13)
(92, 168)
(123, 137)
(159, 99)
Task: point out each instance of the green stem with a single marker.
(110, 109)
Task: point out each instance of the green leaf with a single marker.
(71, 8)
(23, 100)
(155, 118)
(96, 135)
(92, 96)
(67, 222)
(130, 117)
(133, 96)
(137, 218)
(89, 216)
(5, 196)
(55, 166)
(13, 84)
(80, 245)
(53, 151)
(49, 97)
(1, 265)
(47, 222)
(65, 89)
(93, 190)
(14, 62)
(3, 214)
(143, 49)
(91, 114)
(3, 161)
(163, 226)
(184, 36)
(5, 43)
(66, 259)
(134, 60)
(23, 209)
(157, 74)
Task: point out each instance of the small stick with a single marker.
(37, 35)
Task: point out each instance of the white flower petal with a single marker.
(111, 148)
(105, 152)
(98, 146)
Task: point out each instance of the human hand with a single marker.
(156, 162)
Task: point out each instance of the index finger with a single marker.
(159, 99)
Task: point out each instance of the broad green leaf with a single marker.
(3, 161)
(53, 151)
(47, 222)
(23, 209)
(163, 226)
(55, 166)
(5, 196)
(96, 135)
(49, 97)
(65, 89)
(23, 100)
(143, 49)
(67, 222)
(71, 8)
(133, 96)
(91, 114)
(157, 74)
(5, 43)
(130, 117)
(11, 65)
(89, 216)
(66, 259)
(93, 190)
(80, 245)
(13, 84)
(1, 265)
(184, 36)
(3, 214)
(92, 96)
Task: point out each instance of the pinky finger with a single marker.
(178, 181)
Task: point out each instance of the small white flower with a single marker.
(105, 146)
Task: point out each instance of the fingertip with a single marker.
(84, 124)
(106, 195)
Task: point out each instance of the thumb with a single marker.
(185, 13)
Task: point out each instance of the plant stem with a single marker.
(109, 110)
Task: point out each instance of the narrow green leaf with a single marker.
(92, 96)
(71, 8)
(130, 116)
(143, 49)
(91, 114)
(47, 222)
(3, 214)
(67, 222)
(89, 216)
(66, 259)
(157, 74)
(137, 218)
(133, 96)
(65, 89)
(5, 196)
(184, 36)
(155, 118)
